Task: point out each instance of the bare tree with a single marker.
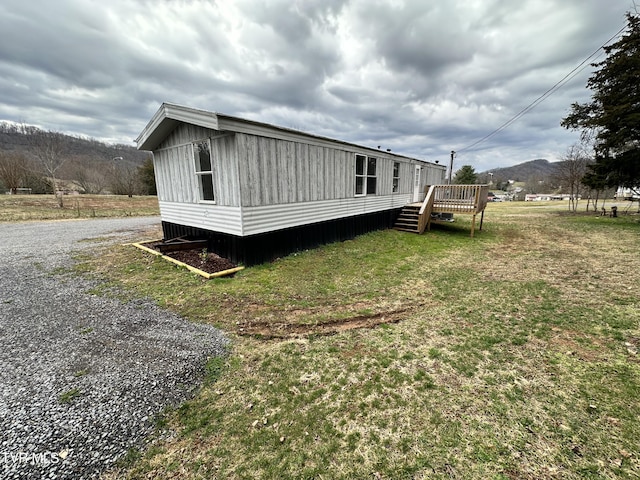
(571, 171)
(48, 148)
(12, 170)
(88, 178)
(126, 181)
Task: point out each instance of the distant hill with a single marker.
(524, 172)
(88, 165)
(87, 151)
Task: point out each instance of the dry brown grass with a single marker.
(15, 208)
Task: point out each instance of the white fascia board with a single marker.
(167, 118)
(194, 116)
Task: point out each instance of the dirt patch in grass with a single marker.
(578, 344)
(286, 329)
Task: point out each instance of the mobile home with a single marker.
(257, 191)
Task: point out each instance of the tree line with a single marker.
(47, 161)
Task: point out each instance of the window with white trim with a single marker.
(204, 171)
(396, 177)
(366, 180)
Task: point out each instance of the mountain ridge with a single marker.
(88, 150)
(537, 169)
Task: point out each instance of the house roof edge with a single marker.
(169, 115)
(167, 118)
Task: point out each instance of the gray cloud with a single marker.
(420, 37)
(419, 77)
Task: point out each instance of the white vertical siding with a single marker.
(264, 184)
(266, 167)
(185, 133)
(175, 167)
(248, 167)
(224, 162)
(302, 173)
(290, 174)
(175, 175)
(329, 172)
(407, 171)
(384, 172)
(274, 171)
(434, 176)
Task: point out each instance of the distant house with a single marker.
(535, 197)
(545, 197)
(19, 191)
(257, 191)
(632, 194)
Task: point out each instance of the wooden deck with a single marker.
(461, 199)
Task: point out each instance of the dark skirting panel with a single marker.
(264, 247)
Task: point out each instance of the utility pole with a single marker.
(451, 166)
(448, 216)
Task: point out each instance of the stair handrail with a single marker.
(482, 198)
(424, 215)
(428, 199)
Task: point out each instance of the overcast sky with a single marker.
(421, 77)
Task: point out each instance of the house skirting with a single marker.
(264, 247)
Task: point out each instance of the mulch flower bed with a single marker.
(201, 259)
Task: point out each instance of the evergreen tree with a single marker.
(465, 176)
(612, 117)
(147, 176)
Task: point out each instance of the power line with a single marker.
(569, 76)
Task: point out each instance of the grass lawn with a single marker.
(512, 355)
(45, 207)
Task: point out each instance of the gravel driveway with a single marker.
(82, 376)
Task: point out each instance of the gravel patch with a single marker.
(82, 376)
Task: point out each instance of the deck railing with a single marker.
(460, 198)
(469, 199)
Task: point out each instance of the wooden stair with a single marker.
(409, 219)
(440, 199)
